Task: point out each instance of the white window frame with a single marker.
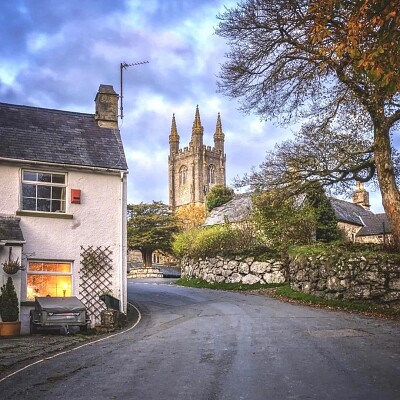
(50, 273)
(51, 185)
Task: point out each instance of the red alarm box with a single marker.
(75, 196)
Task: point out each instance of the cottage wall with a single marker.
(97, 221)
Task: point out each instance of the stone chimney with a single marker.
(106, 107)
(361, 196)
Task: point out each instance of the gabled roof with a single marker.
(376, 224)
(349, 212)
(10, 231)
(61, 137)
(236, 210)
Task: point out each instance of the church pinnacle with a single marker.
(197, 129)
(219, 136)
(174, 137)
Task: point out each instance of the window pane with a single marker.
(48, 285)
(44, 192)
(28, 204)
(56, 206)
(58, 178)
(29, 176)
(49, 267)
(44, 177)
(43, 205)
(58, 193)
(28, 190)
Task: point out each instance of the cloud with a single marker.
(55, 54)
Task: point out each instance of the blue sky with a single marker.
(55, 54)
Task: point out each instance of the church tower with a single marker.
(195, 169)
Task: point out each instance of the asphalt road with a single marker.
(203, 344)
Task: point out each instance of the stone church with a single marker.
(195, 169)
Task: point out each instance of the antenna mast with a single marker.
(123, 66)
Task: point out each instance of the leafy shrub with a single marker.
(219, 240)
(218, 196)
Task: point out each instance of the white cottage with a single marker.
(63, 191)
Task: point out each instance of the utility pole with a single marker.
(123, 66)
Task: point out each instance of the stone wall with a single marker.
(337, 277)
(236, 270)
(375, 279)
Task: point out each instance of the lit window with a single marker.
(211, 174)
(43, 191)
(183, 175)
(49, 279)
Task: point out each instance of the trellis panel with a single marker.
(95, 278)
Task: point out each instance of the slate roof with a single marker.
(10, 230)
(236, 210)
(375, 224)
(55, 136)
(349, 212)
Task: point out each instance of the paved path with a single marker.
(203, 344)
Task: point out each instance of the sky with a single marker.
(55, 54)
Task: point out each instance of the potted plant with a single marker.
(9, 310)
(11, 266)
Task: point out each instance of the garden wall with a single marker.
(373, 278)
(339, 277)
(236, 270)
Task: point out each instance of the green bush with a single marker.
(9, 310)
(219, 240)
(218, 196)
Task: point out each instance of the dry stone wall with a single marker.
(375, 279)
(337, 277)
(236, 270)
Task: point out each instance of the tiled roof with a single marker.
(55, 136)
(10, 230)
(349, 212)
(236, 210)
(375, 224)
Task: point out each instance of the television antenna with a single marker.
(123, 66)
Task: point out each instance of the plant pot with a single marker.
(11, 269)
(10, 328)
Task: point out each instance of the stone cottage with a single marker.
(63, 180)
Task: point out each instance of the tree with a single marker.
(327, 60)
(326, 224)
(218, 196)
(190, 216)
(283, 221)
(151, 227)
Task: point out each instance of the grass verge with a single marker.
(284, 292)
(200, 283)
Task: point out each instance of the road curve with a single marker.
(204, 344)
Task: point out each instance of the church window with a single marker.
(211, 174)
(183, 175)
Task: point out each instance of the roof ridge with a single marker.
(45, 109)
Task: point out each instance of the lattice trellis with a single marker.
(95, 278)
